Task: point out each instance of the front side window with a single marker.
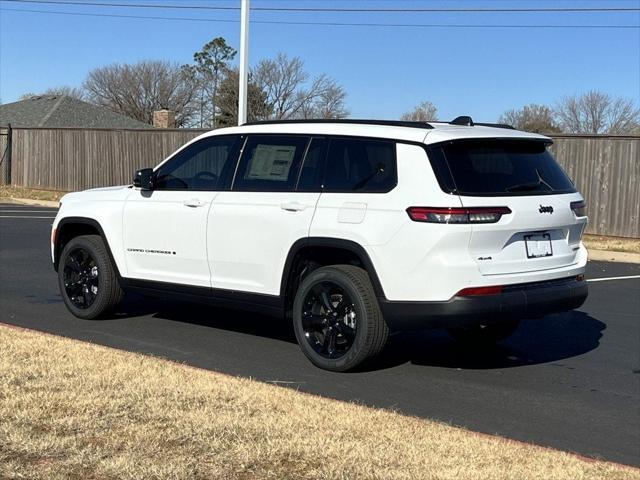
(270, 163)
(204, 165)
(356, 165)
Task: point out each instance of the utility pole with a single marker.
(244, 62)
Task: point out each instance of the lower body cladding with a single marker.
(525, 300)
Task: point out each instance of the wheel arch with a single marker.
(322, 251)
(71, 227)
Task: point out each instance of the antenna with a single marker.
(463, 120)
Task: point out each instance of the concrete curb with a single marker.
(610, 256)
(28, 201)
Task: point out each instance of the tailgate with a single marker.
(541, 232)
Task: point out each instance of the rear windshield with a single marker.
(498, 168)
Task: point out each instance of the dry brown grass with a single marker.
(612, 244)
(71, 410)
(10, 191)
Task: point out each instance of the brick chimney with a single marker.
(164, 119)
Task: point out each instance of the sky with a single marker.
(385, 70)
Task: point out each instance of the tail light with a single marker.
(457, 215)
(478, 291)
(579, 208)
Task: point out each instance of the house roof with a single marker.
(62, 111)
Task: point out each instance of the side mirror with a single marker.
(143, 178)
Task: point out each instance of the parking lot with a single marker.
(569, 381)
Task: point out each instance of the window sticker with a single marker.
(271, 162)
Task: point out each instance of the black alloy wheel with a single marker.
(329, 320)
(87, 278)
(81, 278)
(337, 319)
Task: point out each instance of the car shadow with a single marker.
(545, 340)
(549, 339)
(208, 316)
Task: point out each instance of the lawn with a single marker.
(72, 410)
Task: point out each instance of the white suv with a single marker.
(352, 228)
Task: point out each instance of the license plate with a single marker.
(538, 245)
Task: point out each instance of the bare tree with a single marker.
(598, 112)
(257, 105)
(137, 90)
(286, 84)
(323, 99)
(210, 66)
(531, 118)
(424, 112)
(74, 92)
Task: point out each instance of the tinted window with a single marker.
(203, 165)
(360, 165)
(313, 166)
(503, 167)
(270, 163)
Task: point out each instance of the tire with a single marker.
(484, 335)
(352, 323)
(87, 278)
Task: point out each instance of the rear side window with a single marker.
(357, 165)
(270, 163)
(498, 168)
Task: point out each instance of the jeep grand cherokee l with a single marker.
(350, 228)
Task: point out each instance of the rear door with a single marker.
(542, 231)
(253, 226)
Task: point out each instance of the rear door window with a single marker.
(270, 163)
(498, 168)
(313, 166)
(358, 165)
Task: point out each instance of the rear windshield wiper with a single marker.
(530, 186)
(379, 169)
(524, 187)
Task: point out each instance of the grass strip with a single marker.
(73, 410)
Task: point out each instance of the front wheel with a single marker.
(87, 278)
(336, 318)
(483, 335)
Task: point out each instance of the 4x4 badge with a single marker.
(545, 209)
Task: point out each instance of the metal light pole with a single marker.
(244, 62)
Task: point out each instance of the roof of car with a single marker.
(419, 132)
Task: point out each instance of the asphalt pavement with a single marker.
(569, 381)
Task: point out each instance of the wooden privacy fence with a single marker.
(5, 161)
(76, 159)
(606, 169)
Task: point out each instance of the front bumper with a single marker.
(527, 300)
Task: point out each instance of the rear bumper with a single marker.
(529, 300)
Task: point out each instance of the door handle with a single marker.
(292, 206)
(194, 202)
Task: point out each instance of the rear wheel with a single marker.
(87, 278)
(336, 318)
(485, 334)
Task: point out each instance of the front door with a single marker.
(165, 229)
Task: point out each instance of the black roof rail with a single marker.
(497, 125)
(359, 121)
(467, 121)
